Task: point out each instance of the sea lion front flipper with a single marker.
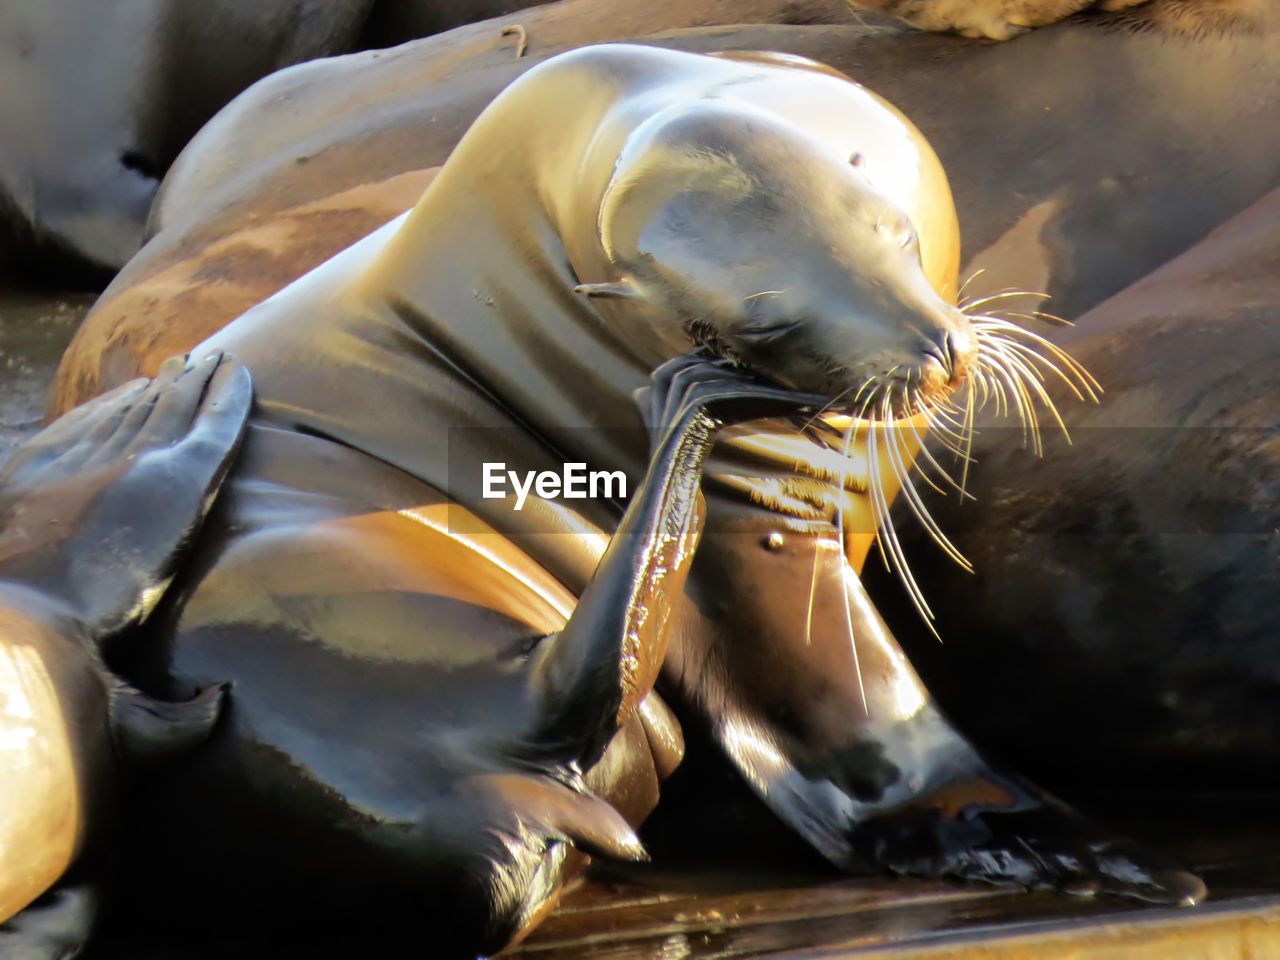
(589, 678)
(96, 509)
(1001, 830)
(148, 729)
(55, 927)
(811, 698)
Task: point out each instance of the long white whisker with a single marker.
(972, 277)
(1012, 332)
(813, 591)
(916, 404)
(917, 506)
(887, 535)
(995, 364)
(968, 433)
(968, 305)
(844, 587)
(1030, 378)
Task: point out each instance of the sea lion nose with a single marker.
(951, 351)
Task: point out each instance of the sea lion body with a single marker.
(1044, 206)
(386, 630)
(1135, 568)
(351, 547)
(1045, 138)
(427, 708)
(98, 98)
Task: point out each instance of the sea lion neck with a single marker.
(463, 317)
(485, 267)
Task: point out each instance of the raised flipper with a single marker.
(95, 512)
(811, 698)
(589, 678)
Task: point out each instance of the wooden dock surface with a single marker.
(647, 914)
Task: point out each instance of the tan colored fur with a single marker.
(1004, 19)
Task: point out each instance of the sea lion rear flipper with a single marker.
(55, 927)
(97, 508)
(145, 728)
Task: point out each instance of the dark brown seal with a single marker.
(97, 97)
(1134, 572)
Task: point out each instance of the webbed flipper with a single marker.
(810, 697)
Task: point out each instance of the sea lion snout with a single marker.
(949, 357)
(766, 245)
(925, 352)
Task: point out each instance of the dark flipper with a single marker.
(95, 513)
(553, 811)
(96, 509)
(56, 927)
(833, 729)
(1004, 831)
(590, 677)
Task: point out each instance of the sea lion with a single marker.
(993, 19)
(1045, 206)
(1136, 569)
(98, 97)
(95, 512)
(462, 719)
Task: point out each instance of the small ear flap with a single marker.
(621, 290)
(148, 729)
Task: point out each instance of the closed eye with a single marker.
(770, 332)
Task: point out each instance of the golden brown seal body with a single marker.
(1038, 200)
(477, 692)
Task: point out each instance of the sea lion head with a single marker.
(772, 249)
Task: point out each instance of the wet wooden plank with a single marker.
(688, 914)
(894, 919)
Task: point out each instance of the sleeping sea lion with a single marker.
(1044, 138)
(97, 97)
(436, 693)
